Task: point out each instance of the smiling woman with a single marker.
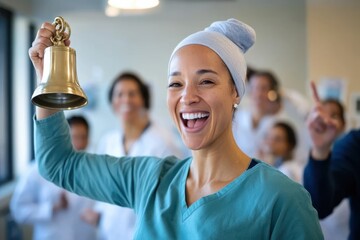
(219, 192)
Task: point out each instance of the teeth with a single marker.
(124, 108)
(190, 116)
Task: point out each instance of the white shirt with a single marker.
(293, 170)
(32, 203)
(118, 223)
(336, 225)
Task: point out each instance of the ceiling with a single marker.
(45, 9)
(41, 9)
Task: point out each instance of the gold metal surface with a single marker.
(59, 87)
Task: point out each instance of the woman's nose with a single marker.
(189, 95)
(125, 98)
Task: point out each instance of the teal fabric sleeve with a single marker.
(100, 177)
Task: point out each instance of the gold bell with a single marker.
(59, 87)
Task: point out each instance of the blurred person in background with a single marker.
(138, 135)
(266, 106)
(55, 213)
(278, 150)
(336, 225)
(332, 173)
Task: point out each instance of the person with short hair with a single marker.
(332, 173)
(278, 150)
(55, 214)
(80, 132)
(138, 135)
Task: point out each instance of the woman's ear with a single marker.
(237, 98)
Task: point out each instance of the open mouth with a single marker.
(194, 120)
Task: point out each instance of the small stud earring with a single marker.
(236, 105)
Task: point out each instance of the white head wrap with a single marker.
(230, 40)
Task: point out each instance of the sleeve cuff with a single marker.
(319, 164)
(47, 127)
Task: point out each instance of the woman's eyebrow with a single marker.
(174, 74)
(203, 71)
(199, 72)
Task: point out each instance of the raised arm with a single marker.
(326, 182)
(36, 53)
(323, 130)
(99, 177)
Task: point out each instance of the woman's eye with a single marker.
(174, 85)
(206, 82)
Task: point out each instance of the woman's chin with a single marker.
(193, 145)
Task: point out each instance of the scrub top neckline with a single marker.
(188, 210)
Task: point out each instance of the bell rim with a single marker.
(81, 102)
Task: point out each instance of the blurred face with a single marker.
(79, 136)
(259, 88)
(277, 143)
(200, 96)
(334, 112)
(127, 101)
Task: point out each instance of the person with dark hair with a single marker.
(217, 193)
(253, 121)
(335, 110)
(78, 120)
(80, 131)
(278, 150)
(55, 214)
(138, 135)
(143, 89)
(266, 106)
(332, 173)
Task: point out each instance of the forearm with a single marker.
(319, 183)
(47, 149)
(42, 113)
(89, 175)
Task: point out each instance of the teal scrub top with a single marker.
(261, 203)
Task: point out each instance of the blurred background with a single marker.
(299, 40)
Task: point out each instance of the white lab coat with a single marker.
(32, 203)
(118, 223)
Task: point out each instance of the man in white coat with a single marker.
(138, 135)
(54, 213)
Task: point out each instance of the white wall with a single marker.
(333, 47)
(105, 46)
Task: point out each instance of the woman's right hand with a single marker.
(42, 41)
(323, 130)
(36, 53)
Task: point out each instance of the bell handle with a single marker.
(61, 26)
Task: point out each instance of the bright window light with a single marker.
(133, 4)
